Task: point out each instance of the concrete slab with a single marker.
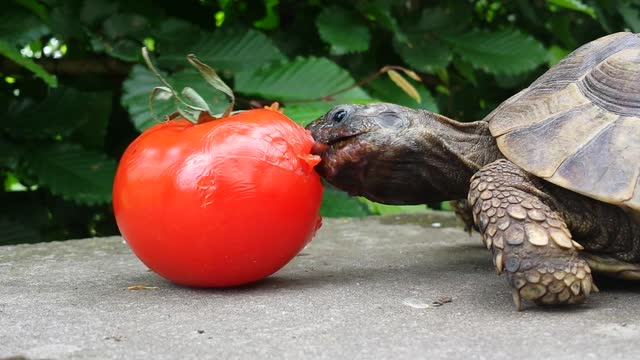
(364, 289)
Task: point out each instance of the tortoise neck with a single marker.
(455, 151)
(471, 142)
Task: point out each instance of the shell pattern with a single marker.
(578, 125)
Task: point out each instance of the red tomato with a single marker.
(222, 203)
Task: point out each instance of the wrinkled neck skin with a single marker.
(431, 160)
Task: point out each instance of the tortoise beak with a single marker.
(319, 148)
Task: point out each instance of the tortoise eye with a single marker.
(339, 115)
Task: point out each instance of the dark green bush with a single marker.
(75, 92)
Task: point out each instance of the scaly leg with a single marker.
(528, 238)
(463, 211)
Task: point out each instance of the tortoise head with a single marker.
(396, 155)
(371, 150)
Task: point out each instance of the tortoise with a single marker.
(550, 178)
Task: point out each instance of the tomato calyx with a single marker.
(189, 104)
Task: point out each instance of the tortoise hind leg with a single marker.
(612, 267)
(463, 211)
(529, 240)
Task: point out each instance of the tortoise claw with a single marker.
(517, 299)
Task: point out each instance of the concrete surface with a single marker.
(363, 289)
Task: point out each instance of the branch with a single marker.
(103, 66)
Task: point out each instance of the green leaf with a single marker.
(303, 78)
(423, 53)
(452, 18)
(76, 174)
(304, 113)
(384, 209)
(234, 50)
(271, 19)
(8, 154)
(563, 28)
(141, 81)
(385, 90)
(63, 20)
(34, 7)
(528, 11)
(503, 52)
(466, 70)
(58, 114)
(176, 36)
(342, 30)
(575, 5)
(11, 52)
(631, 15)
(93, 11)
(122, 36)
(123, 49)
(555, 54)
(336, 203)
(19, 26)
(92, 134)
(380, 11)
(125, 25)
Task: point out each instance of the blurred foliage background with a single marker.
(74, 91)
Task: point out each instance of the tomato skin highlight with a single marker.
(222, 203)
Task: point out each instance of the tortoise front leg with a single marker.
(528, 238)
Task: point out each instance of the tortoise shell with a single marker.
(578, 125)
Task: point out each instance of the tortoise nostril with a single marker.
(339, 115)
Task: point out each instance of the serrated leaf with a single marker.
(385, 90)
(503, 52)
(60, 113)
(342, 30)
(423, 53)
(403, 84)
(304, 113)
(141, 81)
(576, 5)
(76, 174)
(234, 50)
(11, 52)
(303, 78)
